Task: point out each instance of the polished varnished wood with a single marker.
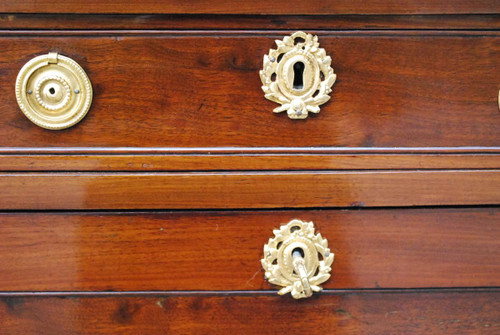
(182, 190)
(222, 250)
(192, 89)
(150, 216)
(247, 161)
(149, 21)
(434, 312)
(322, 7)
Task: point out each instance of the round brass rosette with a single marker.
(53, 91)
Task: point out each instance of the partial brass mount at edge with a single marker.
(297, 259)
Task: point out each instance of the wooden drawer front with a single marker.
(397, 248)
(281, 189)
(188, 89)
(451, 313)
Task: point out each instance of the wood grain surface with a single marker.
(192, 89)
(156, 21)
(254, 7)
(248, 161)
(260, 189)
(179, 128)
(453, 313)
(396, 248)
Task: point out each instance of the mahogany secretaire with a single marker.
(249, 167)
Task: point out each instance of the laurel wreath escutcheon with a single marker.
(276, 261)
(298, 103)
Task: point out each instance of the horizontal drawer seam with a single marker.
(244, 293)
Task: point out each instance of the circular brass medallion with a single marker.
(53, 91)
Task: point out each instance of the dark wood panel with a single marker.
(453, 313)
(222, 250)
(180, 89)
(206, 162)
(150, 21)
(254, 7)
(164, 190)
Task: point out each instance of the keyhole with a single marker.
(298, 72)
(298, 252)
(52, 90)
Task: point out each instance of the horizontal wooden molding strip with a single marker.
(223, 22)
(315, 7)
(245, 150)
(205, 293)
(162, 190)
(221, 251)
(246, 161)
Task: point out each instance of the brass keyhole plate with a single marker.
(297, 55)
(278, 258)
(53, 91)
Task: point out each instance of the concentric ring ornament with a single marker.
(53, 91)
(297, 75)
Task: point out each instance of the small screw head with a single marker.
(30, 91)
(327, 253)
(272, 59)
(299, 112)
(77, 91)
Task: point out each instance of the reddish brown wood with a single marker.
(180, 93)
(369, 313)
(192, 89)
(149, 21)
(254, 7)
(172, 162)
(246, 150)
(222, 250)
(248, 189)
